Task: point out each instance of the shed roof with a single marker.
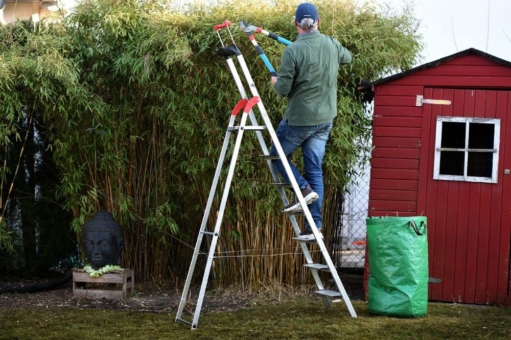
(470, 51)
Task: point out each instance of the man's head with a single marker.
(306, 16)
(103, 240)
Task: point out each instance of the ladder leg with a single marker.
(216, 232)
(198, 244)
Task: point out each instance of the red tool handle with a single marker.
(226, 23)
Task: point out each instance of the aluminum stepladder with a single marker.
(246, 105)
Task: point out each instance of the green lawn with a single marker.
(297, 318)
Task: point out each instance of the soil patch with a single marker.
(157, 300)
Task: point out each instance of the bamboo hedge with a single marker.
(134, 102)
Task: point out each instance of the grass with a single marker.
(296, 318)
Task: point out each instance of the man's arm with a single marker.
(344, 55)
(283, 84)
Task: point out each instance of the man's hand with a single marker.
(274, 80)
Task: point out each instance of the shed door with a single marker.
(465, 192)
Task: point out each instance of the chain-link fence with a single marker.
(350, 236)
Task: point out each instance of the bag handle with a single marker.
(413, 225)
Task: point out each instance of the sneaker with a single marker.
(308, 194)
(308, 235)
(293, 207)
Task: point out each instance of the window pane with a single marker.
(481, 136)
(453, 135)
(451, 163)
(480, 164)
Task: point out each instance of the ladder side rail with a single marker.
(205, 217)
(337, 279)
(221, 211)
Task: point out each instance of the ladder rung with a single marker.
(282, 185)
(184, 321)
(300, 213)
(306, 241)
(209, 233)
(249, 128)
(270, 156)
(331, 293)
(317, 266)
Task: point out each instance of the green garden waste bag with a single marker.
(398, 266)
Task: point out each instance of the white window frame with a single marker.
(466, 150)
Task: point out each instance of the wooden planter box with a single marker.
(116, 285)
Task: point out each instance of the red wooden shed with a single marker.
(442, 149)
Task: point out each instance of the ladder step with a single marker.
(306, 241)
(282, 185)
(317, 266)
(184, 321)
(270, 156)
(299, 213)
(209, 233)
(249, 128)
(256, 128)
(331, 293)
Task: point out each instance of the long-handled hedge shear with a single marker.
(245, 27)
(249, 30)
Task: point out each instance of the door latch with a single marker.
(420, 101)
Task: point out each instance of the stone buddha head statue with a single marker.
(103, 240)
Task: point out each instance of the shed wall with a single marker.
(398, 128)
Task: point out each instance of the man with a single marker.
(308, 78)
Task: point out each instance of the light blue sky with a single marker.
(450, 26)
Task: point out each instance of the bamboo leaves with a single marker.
(135, 103)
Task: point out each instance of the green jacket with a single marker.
(308, 77)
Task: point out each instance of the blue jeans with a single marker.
(312, 140)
